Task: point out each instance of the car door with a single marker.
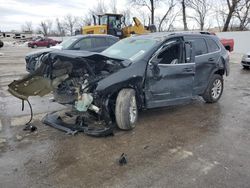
(170, 74)
(205, 59)
(43, 42)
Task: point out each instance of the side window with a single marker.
(100, 42)
(212, 46)
(83, 44)
(171, 54)
(200, 46)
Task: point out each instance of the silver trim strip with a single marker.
(170, 65)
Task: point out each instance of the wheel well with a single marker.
(220, 72)
(228, 48)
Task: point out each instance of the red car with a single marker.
(228, 44)
(43, 42)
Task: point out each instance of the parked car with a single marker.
(93, 43)
(43, 42)
(245, 62)
(141, 72)
(228, 44)
(1, 44)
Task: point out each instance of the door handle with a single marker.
(211, 59)
(187, 70)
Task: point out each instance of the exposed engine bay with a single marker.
(72, 78)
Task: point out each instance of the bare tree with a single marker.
(144, 17)
(45, 27)
(220, 15)
(242, 13)
(170, 5)
(184, 17)
(201, 8)
(100, 8)
(59, 27)
(27, 26)
(150, 4)
(232, 5)
(127, 16)
(113, 5)
(70, 23)
(86, 20)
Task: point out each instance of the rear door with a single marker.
(206, 55)
(170, 75)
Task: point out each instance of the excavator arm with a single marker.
(137, 28)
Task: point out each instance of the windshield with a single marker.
(130, 48)
(67, 43)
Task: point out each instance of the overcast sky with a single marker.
(14, 13)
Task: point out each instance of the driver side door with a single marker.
(170, 74)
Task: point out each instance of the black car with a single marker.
(92, 43)
(141, 72)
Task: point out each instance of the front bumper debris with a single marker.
(56, 121)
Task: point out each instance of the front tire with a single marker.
(214, 89)
(126, 111)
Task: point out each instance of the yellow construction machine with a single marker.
(114, 24)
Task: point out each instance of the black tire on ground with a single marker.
(209, 95)
(126, 112)
(245, 67)
(1, 44)
(49, 45)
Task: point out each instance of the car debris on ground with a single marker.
(123, 159)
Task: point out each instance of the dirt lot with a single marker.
(195, 145)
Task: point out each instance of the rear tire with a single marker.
(126, 112)
(214, 89)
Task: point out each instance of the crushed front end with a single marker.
(73, 78)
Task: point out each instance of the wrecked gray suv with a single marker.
(141, 72)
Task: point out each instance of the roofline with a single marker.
(113, 14)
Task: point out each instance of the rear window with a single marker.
(212, 46)
(200, 46)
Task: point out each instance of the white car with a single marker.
(245, 62)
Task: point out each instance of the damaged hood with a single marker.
(39, 52)
(61, 65)
(73, 54)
